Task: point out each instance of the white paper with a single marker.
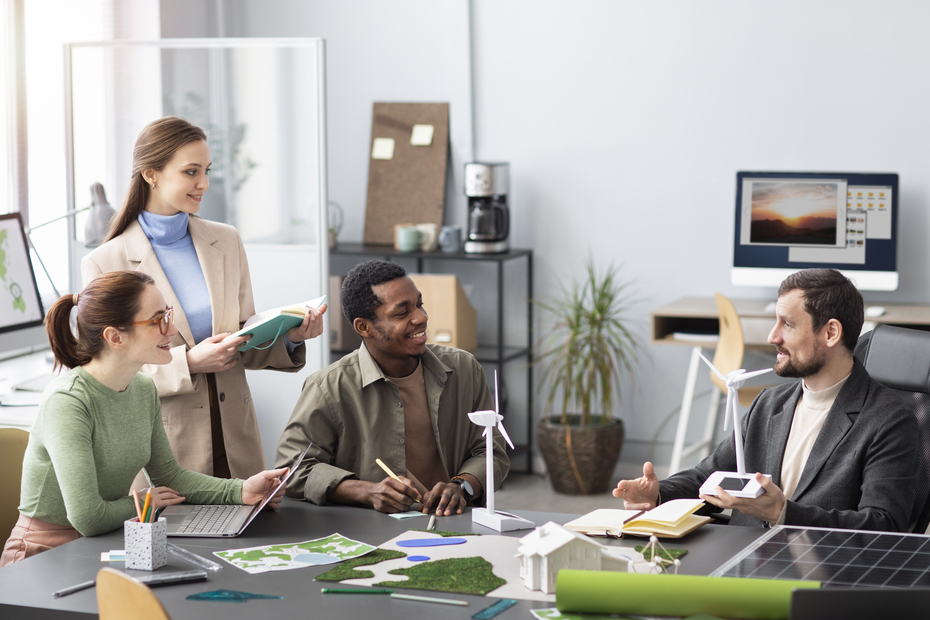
(383, 148)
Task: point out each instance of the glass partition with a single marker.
(260, 101)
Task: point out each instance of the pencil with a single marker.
(387, 470)
(135, 497)
(429, 599)
(148, 478)
(145, 508)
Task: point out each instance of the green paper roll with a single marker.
(608, 592)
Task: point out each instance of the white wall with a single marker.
(625, 124)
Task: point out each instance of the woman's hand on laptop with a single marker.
(255, 488)
(162, 497)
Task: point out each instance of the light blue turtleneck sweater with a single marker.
(174, 248)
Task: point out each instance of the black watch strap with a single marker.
(467, 489)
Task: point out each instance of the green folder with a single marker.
(267, 327)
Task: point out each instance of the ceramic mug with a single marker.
(429, 239)
(408, 238)
(450, 239)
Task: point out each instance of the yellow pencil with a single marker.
(148, 499)
(387, 470)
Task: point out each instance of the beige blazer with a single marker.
(185, 401)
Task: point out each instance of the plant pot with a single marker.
(580, 459)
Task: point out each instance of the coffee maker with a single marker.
(486, 186)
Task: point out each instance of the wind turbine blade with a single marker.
(497, 406)
(500, 427)
(754, 373)
(722, 376)
(487, 429)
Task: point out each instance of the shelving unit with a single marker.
(497, 353)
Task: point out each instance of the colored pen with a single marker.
(145, 507)
(429, 599)
(73, 589)
(387, 470)
(135, 497)
(355, 591)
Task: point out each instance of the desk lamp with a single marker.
(95, 230)
(738, 483)
(488, 517)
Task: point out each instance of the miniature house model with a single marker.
(550, 548)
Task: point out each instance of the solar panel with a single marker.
(836, 558)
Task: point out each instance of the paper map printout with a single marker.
(329, 550)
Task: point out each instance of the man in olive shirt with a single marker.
(395, 398)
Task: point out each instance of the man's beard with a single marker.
(801, 369)
(386, 338)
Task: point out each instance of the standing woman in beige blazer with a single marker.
(201, 268)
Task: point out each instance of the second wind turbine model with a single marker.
(738, 483)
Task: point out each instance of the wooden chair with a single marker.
(12, 448)
(120, 597)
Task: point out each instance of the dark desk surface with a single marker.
(26, 587)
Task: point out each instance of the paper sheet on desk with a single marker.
(21, 399)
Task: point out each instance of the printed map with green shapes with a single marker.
(329, 550)
(14, 289)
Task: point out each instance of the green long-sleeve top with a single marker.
(87, 446)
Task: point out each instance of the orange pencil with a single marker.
(145, 508)
(135, 497)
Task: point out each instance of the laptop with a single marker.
(220, 520)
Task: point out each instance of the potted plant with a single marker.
(583, 359)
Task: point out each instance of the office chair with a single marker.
(12, 448)
(899, 359)
(119, 597)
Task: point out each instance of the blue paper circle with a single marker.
(430, 542)
(418, 558)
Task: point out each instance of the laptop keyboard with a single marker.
(208, 519)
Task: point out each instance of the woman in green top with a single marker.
(100, 422)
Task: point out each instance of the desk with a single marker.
(26, 587)
(698, 315)
(17, 369)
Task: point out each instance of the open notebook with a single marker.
(672, 519)
(220, 520)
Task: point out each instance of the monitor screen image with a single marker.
(786, 221)
(20, 305)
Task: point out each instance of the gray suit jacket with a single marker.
(862, 469)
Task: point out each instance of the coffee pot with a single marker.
(487, 185)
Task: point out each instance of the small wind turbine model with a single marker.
(488, 517)
(738, 483)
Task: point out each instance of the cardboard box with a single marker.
(452, 319)
(342, 336)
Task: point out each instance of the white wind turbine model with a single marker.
(738, 483)
(488, 517)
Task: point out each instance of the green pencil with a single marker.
(355, 591)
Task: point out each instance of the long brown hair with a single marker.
(155, 146)
(109, 300)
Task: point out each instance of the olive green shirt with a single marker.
(87, 445)
(354, 414)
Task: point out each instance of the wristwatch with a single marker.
(467, 489)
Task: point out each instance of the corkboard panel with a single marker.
(409, 187)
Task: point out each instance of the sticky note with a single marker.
(422, 135)
(383, 148)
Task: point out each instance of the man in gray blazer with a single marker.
(841, 448)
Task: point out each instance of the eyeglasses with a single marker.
(164, 321)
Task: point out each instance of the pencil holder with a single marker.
(146, 544)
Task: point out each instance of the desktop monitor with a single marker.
(21, 311)
(787, 221)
